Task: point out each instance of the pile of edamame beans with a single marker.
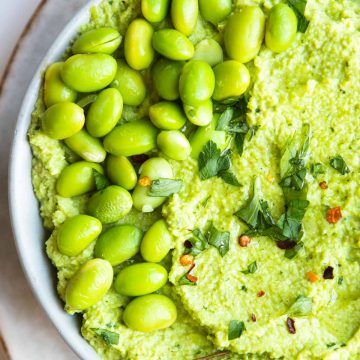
(188, 80)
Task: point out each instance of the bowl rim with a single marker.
(20, 143)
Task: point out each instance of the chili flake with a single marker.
(334, 215)
(323, 185)
(291, 325)
(285, 244)
(192, 278)
(312, 277)
(328, 273)
(188, 244)
(145, 181)
(186, 259)
(253, 317)
(244, 240)
(139, 159)
(261, 293)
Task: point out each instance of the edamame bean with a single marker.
(197, 82)
(203, 134)
(173, 44)
(130, 83)
(150, 313)
(121, 172)
(102, 40)
(174, 144)
(133, 138)
(118, 244)
(77, 233)
(184, 14)
(111, 204)
(86, 146)
(201, 114)
(104, 113)
(244, 34)
(77, 179)
(140, 279)
(167, 115)
(154, 10)
(154, 168)
(89, 285)
(89, 72)
(139, 53)
(169, 70)
(215, 11)
(281, 28)
(55, 91)
(210, 51)
(63, 120)
(157, 242)
(232, 79)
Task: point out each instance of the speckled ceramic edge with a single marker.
(26, 223)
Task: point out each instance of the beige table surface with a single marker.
(25, 332)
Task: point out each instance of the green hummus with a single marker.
(316, 81)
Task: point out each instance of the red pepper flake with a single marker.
(323, 185)
(244, 240)
(192, 278)
(261, 293)
(312, 277)
(186, 259)
(328, 273)
(139, 159)
(334, 215)
(285, 244)
(253, 317)
(291, 325)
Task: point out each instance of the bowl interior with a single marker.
(27, 226)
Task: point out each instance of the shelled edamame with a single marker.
(141, 98)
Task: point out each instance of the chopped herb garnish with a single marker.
(256, 212)
(291, 253)
(340, 280)
(212, 162)
(165, 187)
(291, 325)
(293, 161)
(251, 269)
(328, 273)
(205, 201)
(244, 288)
(225, 119)
(198, 241)
(236, 328)
(230, 178)
(339, 164)
(101, 182)
(219, 239)
(301, 307)
(317, 169)
(299, 7)
(111, 338)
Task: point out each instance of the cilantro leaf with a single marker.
(198, 241)
(101, 182)
(317, 169)
(293, 160)
(236, 328)
(230, 178)
(291, 253)
(219, 239)
(251, 269)
(111, 338)
(301, 307)
(339, 164)
(225, 119)
(299, 7)
(256, 213)
(165, 187)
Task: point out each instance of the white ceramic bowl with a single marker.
(24, 210)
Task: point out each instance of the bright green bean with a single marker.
(167, 115)
(121, 172)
